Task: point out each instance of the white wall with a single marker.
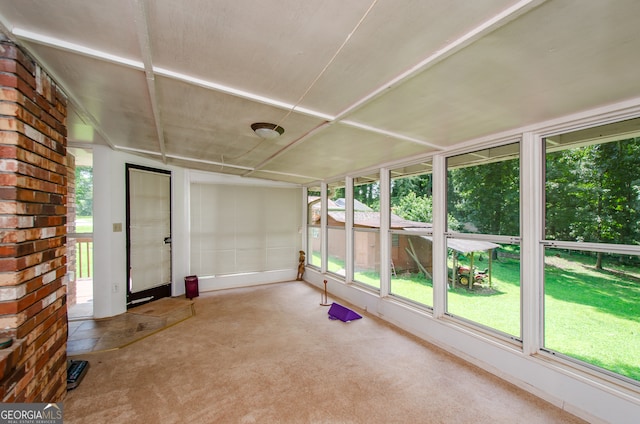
(109, 246)
(109, 260)
(109, 254)
(292, 231)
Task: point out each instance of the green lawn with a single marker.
(413, 287)
(593, 315)
(497, 306)
(84, 224)
(590, 315)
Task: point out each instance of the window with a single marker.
(483, 208)
(366, 230)
(84, 198)
(592, 252)
(336, 234)
(314, 240)
(411, 229)
(80, 233)
(82, 228)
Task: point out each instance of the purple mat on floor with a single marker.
(337, 311)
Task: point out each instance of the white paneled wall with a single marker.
(243, 229)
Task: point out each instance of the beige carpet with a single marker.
(270, 355)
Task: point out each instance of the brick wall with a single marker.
(33, 176)
(71, 228)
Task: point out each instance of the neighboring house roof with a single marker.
(357, 205)
(364, 216)
(372, 220)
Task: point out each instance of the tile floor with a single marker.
(83, 308)
(91, 335)
(87, 334)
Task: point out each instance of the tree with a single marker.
(368, 194)
(486, 198)
(593, 195)
(84, 191)
(421, 185)
(562, 198)
(414, 208)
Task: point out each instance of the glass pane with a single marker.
(84, 199)
(367, 257)
(336, 246)
(483, 196)
(483, 191)
(366, 194)
(411, 254)
(411, 268)
(484, 284)
(592, 308)
(411, 200)
(314, 213)
(336, 217)
(593, 190)
(366, 243)
(314, 206)
(314, 256)
(336, 206)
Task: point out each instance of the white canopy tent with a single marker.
(465, 246)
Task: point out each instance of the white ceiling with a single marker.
(354, 83)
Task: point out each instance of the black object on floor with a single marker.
(76, 370)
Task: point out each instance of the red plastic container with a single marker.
(191, 286)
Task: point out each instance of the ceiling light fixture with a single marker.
(266, 130)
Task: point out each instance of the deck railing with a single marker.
(84, 256)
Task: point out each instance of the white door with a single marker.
(148, 234)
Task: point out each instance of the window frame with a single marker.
(531, 239)
(543, 242)
(408, 170)
(506, 147)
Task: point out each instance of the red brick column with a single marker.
(33, 179)
(71, 228)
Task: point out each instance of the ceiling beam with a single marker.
(488, 26)
(211, 85)
(142, 29)
(146, 65)
(294, 143)
(143, 65)
(476, 33)
(390, 134)
(59, 44)
(14, 35)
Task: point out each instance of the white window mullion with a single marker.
(304, 231)
(348, 260)
(385, 237)
(532, 252)
(324, 261)
(440, 278)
